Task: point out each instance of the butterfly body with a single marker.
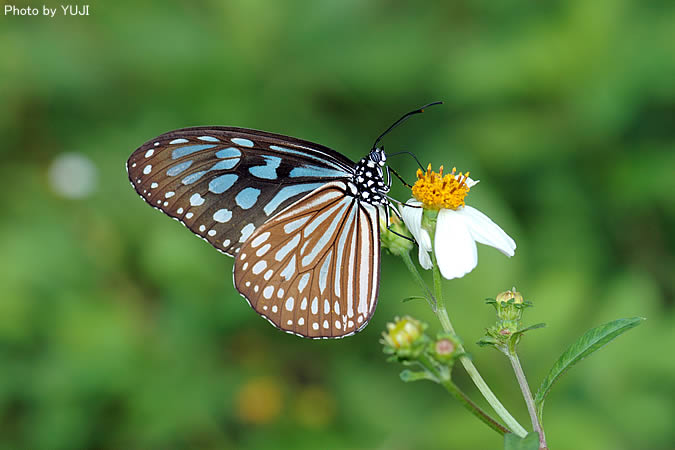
(301, 220)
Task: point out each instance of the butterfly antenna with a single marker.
(403, 119)
(408, 153)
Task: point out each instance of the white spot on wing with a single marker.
(260, 239)
(264, 249)
(283, 251)
(294, 225)
(259, 267)
(196, 199)
(303, 282)
(243, 142)
(222, 215)
(246, 232)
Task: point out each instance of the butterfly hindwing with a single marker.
(224, 182)
(313, 269)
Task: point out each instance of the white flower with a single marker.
(457, 232)
(458, 228)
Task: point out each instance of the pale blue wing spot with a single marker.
(188, 149)
(193, 177)
(196, 199)
(229, 152)
(222, 183)
(316, 171)
(178, 168)
(288, 192)
(208, 139)
(226, 164)
(307, 155)
(179, 141)
(222, 215)
(220, 165)
(269, 170)
(247, 197)
(243, 142)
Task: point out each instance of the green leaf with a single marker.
(529, 442)
(413, 297)
(592, 340)
(409, 376)
(531, 327)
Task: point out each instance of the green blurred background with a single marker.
(119, 329)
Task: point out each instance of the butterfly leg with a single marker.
(397, 176)
(430, 296)
(387, 218)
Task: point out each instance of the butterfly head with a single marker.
(378, 156)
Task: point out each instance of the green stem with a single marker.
(482, 386)
(446, 382)
(527, 395)
(418, 277)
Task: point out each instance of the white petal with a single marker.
(486, 231)
(455, 248)
(412, 217)
(471, 183)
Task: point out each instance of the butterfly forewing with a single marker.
(223, 183)
(313, 269)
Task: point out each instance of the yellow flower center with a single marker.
(436, 191)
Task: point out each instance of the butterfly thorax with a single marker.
(369, 178)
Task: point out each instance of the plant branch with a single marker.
(482, 386)
(527, 395)
(433, 303)
(449, 386)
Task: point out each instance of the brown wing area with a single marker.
(314, 268)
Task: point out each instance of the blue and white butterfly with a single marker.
(301, 220)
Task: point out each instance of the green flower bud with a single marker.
(444, 349)
(397, 245)
(509, 305)
(405, 338)
(505, 334)
(508, 295)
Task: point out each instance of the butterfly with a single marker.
(301, 220)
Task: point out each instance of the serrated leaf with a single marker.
(408, 376)
(591, 341)
(514, 442)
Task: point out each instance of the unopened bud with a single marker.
(444, 349)
(403, 333)
(392, 238)
(508, 295)
(405, 338)
(510, 305)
